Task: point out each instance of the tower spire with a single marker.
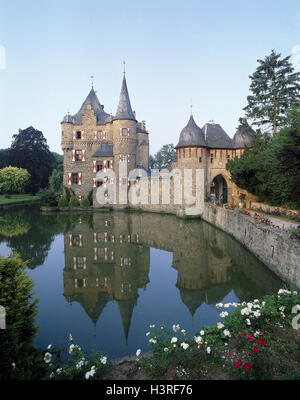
(124, 110)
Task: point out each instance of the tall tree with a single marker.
(275, 88)
(164, 157)
(29, 150)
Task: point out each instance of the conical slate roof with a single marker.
(92, 99)
(124, 110)
(216, 137)
(243, 137)
(126, 309)
(191, 135)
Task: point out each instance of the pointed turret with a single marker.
(124, 110)
(191, 135)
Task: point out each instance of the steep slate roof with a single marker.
(191, 135)
(216, 137)
(243, 137)
(105, 150)
(92, 99)
(124, 110)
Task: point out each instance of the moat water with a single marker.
(105, 277)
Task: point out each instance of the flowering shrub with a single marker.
(254, 362)
(77, 365)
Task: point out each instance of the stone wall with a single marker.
(278, 252)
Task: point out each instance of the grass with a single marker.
(15, 198)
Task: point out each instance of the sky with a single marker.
(177, 53)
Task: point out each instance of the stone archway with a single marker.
(219, 189)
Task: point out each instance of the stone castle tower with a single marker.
(93, 141)
(209, 149)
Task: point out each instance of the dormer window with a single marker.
(78, 134)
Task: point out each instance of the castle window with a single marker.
(108, 164)
(190, 153)
(101, 135)
(200, 159)
(78, 155)
(211, 158)
(78, 134)
(228, 156)
(125, 132)
(75, 178)
(99, 166)
(124, 157)
(99, 183)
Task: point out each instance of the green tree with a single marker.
(29, 150)
(17, 340)
(13, 180)
(56, 181)
(164, 157)
(3, 157)
(271, 170)
(275, 89)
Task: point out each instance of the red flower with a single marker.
(237, 364)
(255, 350)
(246, 366)
(262, 332)
(243, 333)
(174, 377)
(262, 341)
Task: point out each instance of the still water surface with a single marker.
(105, 277)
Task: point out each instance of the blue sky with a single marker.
(174, 51)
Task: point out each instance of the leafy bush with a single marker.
(73, 201)
(48, 197)
(62, 202)
(84, 202)
(13, 179)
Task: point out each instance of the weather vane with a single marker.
(92, 78)
(191, 106)
(124, 68)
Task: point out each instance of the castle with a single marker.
(94, 141)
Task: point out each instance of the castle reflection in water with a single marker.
(107, 257)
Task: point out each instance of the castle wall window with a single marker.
(124, 132)
(211, 158)
(78, 155)
(228, 156)
(78, 135)
(200, 159)
(101, 135)
(99, 166)
(75, 178)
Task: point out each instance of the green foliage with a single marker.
(3, 158)
(13, 180)
(84, 202)
(56, 180)
(271, 169)
(16, 344)
(73, 201)
(90, 196)
(275, 89)
(62, 201)
(48, 197)
(67, 193)
(13, 225)
(76, 365)
(29, 150)
(164, 157)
